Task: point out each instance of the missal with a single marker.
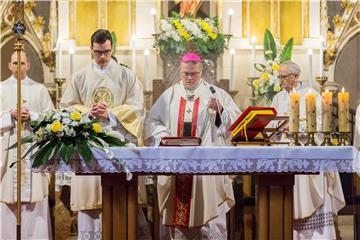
(251, 123)
(180, 141)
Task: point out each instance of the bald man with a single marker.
(34, 186)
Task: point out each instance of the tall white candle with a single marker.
(60, 60)
(153, 13)
(133, 52)
(230, 14)
(232, 83)
(253, 42)
(310, 67)
(146, 70)
(321, 56)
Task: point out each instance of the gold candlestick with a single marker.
(148, 95)
(250, 83)
(344, 139)
(321, 80)
(294, 139)
(327, 139)
(311, 139)
(59, 82)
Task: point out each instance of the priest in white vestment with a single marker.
(34, 186)
(111, 93)
(317, 198)
(193, 207)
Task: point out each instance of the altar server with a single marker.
(34, 186)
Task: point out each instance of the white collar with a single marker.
(101, 70)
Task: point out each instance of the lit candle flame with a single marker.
(343, 90)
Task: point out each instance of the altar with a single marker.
(275, 167)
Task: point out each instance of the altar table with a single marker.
(275, 167)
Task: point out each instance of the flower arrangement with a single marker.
(67, 132)
(178, 35)
(267, 85)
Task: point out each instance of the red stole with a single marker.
(183, 183)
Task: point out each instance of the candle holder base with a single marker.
(344, 139)
(311, 139)
(294, 139)
(327, 139)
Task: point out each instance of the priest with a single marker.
(317, 198)
(193, 207)
(112, 94)
(34, 186)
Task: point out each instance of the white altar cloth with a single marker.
(218, 160)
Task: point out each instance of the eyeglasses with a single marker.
(189, 74)
(99, 53)
(284, 77)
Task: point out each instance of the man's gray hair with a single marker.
(293, 67)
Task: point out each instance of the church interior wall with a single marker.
(140, 23)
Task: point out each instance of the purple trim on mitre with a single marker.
(191, 57)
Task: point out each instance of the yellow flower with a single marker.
(277, 88)
(76, 116)
(275, 67)
(256, 83)
(265, 76)
(97, 127)
(56, 126)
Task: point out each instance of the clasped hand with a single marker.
(99, 110)
(25, 114)
(215, 104)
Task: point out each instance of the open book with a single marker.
(251, 123)
(180, 141)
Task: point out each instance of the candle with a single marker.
(326, 111)
(310, 66)
(146, 69)
(232, 54)
(294, 112)
(60, 59)
(321, 56)
(343, 100)
(153, 13)
(253, 41)
(230, 14)
(310, 100)
(133, 53)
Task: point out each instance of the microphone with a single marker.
(212, 89)
(218, 119)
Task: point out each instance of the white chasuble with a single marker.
(118, 87)
(185, 200)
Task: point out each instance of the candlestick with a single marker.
(311, 139)
(232, 54)
(253, 41)
(310, 66)
(343, 100)
(133, 52)
(146, 69)
(230, 14)
(310, 100)
(326, 111)
(294, 139)
(294, 112)
(321, 57)
(153, 13)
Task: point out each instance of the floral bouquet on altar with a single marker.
(178, 35)
(267, 85)
(67, 132)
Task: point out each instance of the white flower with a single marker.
(85, 119)
(66, 120)
(165, 26)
